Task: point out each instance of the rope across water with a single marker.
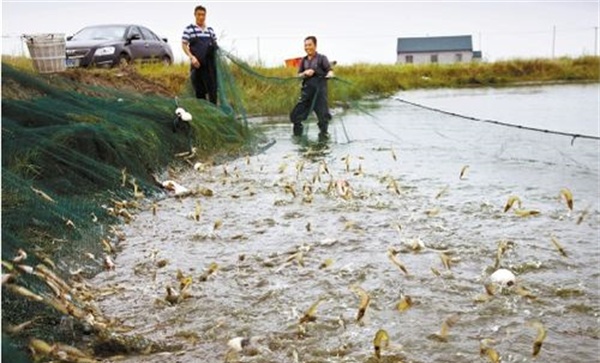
(500, 123)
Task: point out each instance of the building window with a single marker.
(434, 58)
(458, 57)
(409, 59)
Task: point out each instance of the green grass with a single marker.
(265, 96)
(21, 63)
(173, 77)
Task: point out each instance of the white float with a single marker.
(503, 277)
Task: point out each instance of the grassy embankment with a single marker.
(268, 97)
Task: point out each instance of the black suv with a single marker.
(111, 45)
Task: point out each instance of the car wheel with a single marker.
(166, 60)
(124, 59)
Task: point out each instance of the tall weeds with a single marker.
(267, 96)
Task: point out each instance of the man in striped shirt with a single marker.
(199, 43)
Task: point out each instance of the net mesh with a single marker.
(69, 151)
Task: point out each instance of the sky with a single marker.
(348, 32)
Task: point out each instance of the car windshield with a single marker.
(100, 33)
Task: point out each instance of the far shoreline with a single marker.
(272, 91)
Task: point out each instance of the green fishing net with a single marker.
(69, 149)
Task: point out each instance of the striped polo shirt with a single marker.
(194, 31)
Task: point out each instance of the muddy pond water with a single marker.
(285, 231)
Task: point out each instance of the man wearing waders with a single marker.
(199, 43)
(315, 70)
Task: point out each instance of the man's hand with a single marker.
(309, 72)
(329, 74)
(195, 62)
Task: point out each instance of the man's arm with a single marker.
(327, 67)
(185, 46)
(301, 68)
(186, 49)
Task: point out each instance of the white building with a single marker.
(449, 49)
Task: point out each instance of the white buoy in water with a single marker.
(503, 277)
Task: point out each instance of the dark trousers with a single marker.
(204, 81)
(312, 97)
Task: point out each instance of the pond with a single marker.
(292, 235)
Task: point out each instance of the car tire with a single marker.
(166, 60)
(123, 60)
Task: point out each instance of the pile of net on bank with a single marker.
(78, 158)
